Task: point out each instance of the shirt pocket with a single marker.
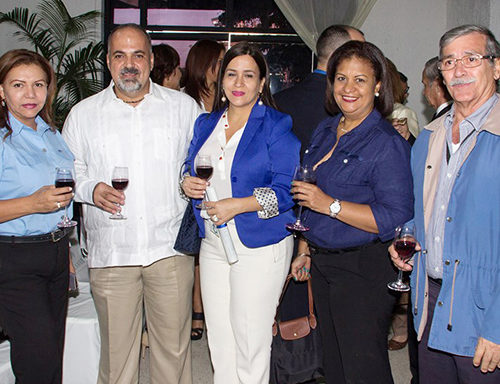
(350, 169)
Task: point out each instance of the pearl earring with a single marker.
(377, 94)
(3, 103)
(260, 99)
(223, 98)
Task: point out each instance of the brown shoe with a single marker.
(394, 345)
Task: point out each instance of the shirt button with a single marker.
(424, 251)
(436, 269)
(437, 238)
(449, 175)
(449, 219)
(440, 303)
(234, 179)
(346, 161)
(44, 149)
(442, 207)
(447, 262)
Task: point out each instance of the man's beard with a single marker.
(128, 85)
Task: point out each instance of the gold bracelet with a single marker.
(304, 254)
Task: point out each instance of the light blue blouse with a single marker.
(28, 161)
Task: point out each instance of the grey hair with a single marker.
(135, 27)
(492, 45)
(431, 71)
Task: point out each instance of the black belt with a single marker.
(53, 237)
(436, 281)
(315, 249)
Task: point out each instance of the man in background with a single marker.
(435, 91)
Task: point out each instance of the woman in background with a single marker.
(166, 70)
(202, 68)
(363, 192)
(33, 252)
(254, 154)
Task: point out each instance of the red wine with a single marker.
(405, 247)
(204, 171)
(65, 183)
(119, 184)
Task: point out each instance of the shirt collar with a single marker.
(17, 126)
(443, 106)
(371, 120)
(476, 119)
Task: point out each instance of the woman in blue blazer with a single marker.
(253, 153)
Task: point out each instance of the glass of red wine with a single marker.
(302, 173)
(64, 178)
(204, 170)
(119, 181)
(404, 243)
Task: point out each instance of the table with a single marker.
(82, 344)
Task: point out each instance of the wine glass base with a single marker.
(398, 286)
(67, 224)
(297, 227)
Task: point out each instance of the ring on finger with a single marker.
(58, 204)
(215, 218)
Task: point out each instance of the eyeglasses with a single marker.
(468, 61)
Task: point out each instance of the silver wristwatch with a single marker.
(335, 208)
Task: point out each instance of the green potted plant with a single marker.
(67, 42)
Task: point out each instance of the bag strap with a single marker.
(312, 317)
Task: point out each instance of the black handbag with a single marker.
(188, 240)
(296, 350)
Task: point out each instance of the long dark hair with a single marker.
(15, 58)
(166, 60)
(202, 56)
(242, 49)
(374, 56)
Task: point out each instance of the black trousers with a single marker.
(354, 308)
(33, 306)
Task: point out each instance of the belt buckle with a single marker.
(57, 235)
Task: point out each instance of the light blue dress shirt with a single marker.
(28, 161)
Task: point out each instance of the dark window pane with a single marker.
(181, 17)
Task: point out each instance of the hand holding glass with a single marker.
(307, 174)
(204, 170)
(64, 178)
(404, 244)
(119, 181)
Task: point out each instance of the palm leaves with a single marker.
(67, 43)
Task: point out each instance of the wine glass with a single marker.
(204, 169)
(302, 173)
(64, 178)
(119, 181)
(404, 243)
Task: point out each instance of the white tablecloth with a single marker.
(82, 345)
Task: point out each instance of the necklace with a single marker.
(342, 125)
(133, 101)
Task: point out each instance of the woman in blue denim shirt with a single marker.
(363, 191)
(34, 259)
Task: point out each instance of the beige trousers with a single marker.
(166, 289)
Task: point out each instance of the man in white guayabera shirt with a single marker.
(456, 273)
(137, 124)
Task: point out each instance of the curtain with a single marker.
(310, 17)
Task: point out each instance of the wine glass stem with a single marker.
(299, 214)
(400, 276)
(66, 219)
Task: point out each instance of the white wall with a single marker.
(75, 7)
(408, 33)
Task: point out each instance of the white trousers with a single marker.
(240, 302)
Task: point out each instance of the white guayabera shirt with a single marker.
(150, 139)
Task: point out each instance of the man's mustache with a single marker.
(462, 81)
(129, 70)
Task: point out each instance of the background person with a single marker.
(34, 272)
(202, 67)
(435, 91)
(363, 192)
(254, 154)
(166, 70)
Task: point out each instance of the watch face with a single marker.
(335, 207)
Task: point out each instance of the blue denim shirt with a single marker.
(370, 165)
(28, 161)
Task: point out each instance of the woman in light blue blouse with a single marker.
(33, 251)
